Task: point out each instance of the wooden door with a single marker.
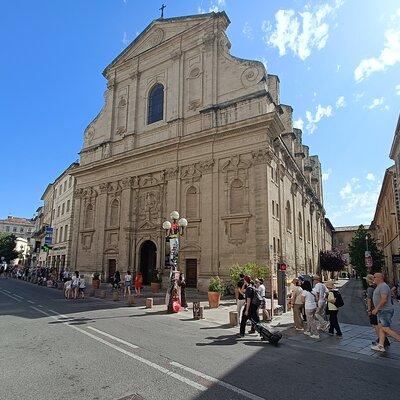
(191, 272)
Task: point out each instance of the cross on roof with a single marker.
(162, 10)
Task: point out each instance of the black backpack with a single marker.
(338, 299)
(257, 298)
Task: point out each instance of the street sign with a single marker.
(368, 262)
(396, 258)
(282, 267)
(49, 230)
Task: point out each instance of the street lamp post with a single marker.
(173, 230)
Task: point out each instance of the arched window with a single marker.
(300, 224)
(288, 216)
(308, 231)
(192, 203)
(236, 197)
(114, 212)
(155, 109)
(89, 216)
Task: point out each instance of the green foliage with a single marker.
(332, 260)
(215, 285)
(357, 249)
(252, 269)
(7, 247)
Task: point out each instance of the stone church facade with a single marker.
(187, 126)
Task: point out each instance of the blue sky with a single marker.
(338, 63)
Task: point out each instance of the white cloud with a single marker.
(358, 203)
(215, 6)
(378, 102)
(326, 174)
(321, 112)
(389, 56)
(264, 61)
(397, 88)
(299, 124)
(370, 176)
(338, 66)
(340, 102)
(300, 32)
(248, 31)
(358, 96)
(125, 39)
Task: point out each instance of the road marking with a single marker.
(30, 301)
(20, 297)
(113, 337)
(128, 353)
(7, 291)
(9, 295)
(235, 389)
(39, 305)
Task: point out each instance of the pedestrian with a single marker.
(182, 285)
(333, 309)
(66, 275)
(297, 305)
(67, 289)
(127, 283)
(75, 284)
(310, 307)
(82, 286)
(384, 310)
(239, 294)
(263, 305)
(250, 311)
(320, 291)
(138, 283)
(373, 319)
(116, 279)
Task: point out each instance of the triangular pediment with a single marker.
(158, 32)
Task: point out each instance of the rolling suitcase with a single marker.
(267, 333)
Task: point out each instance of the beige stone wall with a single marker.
(225, 156)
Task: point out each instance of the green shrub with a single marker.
(252, 269)
(215, 285)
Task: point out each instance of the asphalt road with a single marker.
(93, 349)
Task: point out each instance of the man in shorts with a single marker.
(384, 310)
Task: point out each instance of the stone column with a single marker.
(75, 228)
(100, 225)
(124, 225)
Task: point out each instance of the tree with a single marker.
(332, 260)
(7, 247)
(357, 249)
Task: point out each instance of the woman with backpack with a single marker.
(334, 302)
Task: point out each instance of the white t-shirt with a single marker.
(68, 285)
(321, 289)
(261, 289)
(128, 278)
(75, 281)
(82, 283)
(310, 302)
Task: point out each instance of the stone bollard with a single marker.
(115, 295)
(197, 310)
(91, 292)
(103, 294)
(130, 300)
(149, 302)
(233, 318)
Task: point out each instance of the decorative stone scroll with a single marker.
(261, 156)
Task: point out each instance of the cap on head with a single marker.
(247, 278)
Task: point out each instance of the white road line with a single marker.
(9, 295)
(20, 297)
(113, 337)
(7, 291)
(39, 305)
(30, 301)
(235, 389)
(128, 353)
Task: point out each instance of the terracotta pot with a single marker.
(155, 287)
(213, 299)
(96, 283)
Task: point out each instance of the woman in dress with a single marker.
(138, 283)
(182, 285)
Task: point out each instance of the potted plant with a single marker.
(96, 280)
(215, 289)
(156, 281)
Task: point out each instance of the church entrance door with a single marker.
(148, 259)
